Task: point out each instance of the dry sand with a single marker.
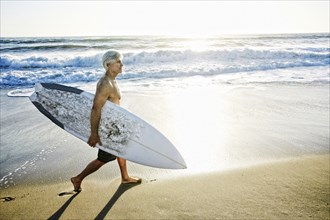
(291, 189)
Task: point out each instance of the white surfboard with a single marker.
(122, 133)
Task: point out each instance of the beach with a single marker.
(232, 100)
(253, 151)
(248, 113)
(294, 189)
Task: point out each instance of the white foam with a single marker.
(25, 62)
(20, 92)
(25, 168)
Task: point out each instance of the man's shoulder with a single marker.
(104, 83)
(103, 86)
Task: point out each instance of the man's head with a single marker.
(111, 57)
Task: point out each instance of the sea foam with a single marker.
(24, 62)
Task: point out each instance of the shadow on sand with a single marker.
(120, 191)
(59, 212)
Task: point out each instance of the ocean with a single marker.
(155, 60)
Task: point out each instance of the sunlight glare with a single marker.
(196, 44)
(201, 131)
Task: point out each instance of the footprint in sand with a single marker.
(67, 193)
(7, 199)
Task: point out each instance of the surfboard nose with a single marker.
(165, 156)
(184, 165)
(181, 163)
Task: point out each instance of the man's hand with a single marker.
(93, 140)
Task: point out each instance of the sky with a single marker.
(183, 18)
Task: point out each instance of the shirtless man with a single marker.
(107, 89)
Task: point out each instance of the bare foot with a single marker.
(131, 181)
(76, 184)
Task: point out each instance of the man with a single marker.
(107, 89)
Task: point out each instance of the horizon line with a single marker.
(169, 35)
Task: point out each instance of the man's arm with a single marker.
(100, 98)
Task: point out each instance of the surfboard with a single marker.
(122, 133)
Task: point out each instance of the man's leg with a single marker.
(125, 179)
(90, 168)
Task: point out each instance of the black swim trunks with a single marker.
(105, 157)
